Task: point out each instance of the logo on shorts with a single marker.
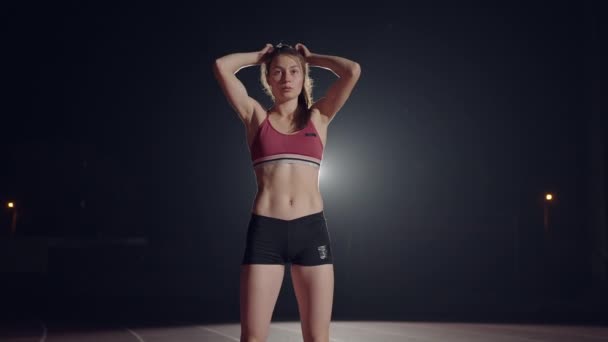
(322, 251)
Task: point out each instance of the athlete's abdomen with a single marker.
(287, 191)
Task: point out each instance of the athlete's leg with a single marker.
(260, 286)
(314, 288)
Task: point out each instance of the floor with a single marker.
(346, 331)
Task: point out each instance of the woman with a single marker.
(287, 224)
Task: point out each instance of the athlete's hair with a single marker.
(305, 98)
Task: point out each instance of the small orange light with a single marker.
(11, 204)
(548, 197)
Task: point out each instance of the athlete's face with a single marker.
(285, 77)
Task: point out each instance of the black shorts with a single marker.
(301, 241)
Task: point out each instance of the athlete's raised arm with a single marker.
(348, 73)
(225, 69)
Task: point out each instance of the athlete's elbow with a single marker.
(217, 66)
(355, 70)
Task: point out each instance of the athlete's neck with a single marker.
(286, 110)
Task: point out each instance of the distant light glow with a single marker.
(11, 204)
(548, 197)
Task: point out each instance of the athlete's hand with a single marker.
(262, 53)
(301, 48)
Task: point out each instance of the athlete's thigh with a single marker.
(314, 288)
(259, 290)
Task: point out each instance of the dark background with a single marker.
(133, 182)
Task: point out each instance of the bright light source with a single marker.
(548, 197)
(11, 204)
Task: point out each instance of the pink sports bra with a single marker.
(272, 146)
